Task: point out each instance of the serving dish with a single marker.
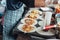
(33, 13)
(26, 28)
(39, 21)
(29, 21)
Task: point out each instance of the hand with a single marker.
(39, 3)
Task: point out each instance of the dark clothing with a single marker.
(13, 4)
(29, 3)
(16, 4)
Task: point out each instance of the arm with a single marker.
(39, 3)
(34, 3)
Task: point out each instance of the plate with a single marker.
(23, 21)
(21, 26)
(35, 10)
(44, 33)
(31, 11)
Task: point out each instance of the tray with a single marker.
(16, 31)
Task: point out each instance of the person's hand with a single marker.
(39, 3)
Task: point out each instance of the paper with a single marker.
(45, 8)
(47, 20)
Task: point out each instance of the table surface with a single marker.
(17, 32)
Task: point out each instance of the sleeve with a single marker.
(13, 4)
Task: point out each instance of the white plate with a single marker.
(23, 21)
(48, 33)
(35, 18)
(20, 28)
(36, 10)
(28, 13)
